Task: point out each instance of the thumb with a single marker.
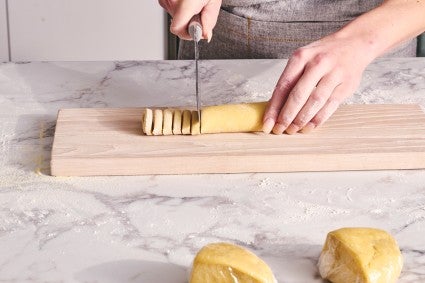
(183, 13)
(209, 17)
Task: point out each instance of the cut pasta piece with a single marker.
(187, 117)
(167, 128)
(157, 122)
(177, 122)
(147, 121)
(196, 126)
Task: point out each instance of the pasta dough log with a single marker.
(147, 121)
(229, 118)
(157, 122)
(187, 117)
(177, 122)
(167, 128)
(233, 118)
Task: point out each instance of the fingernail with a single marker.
(308, 128)
(279, 129)
(268, 125)
(292, 129)
(209, 37)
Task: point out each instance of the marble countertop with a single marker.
(148, 228)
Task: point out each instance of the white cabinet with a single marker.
(4, 50)
(87, 30)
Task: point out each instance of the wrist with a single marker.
(365, 39)
(363, 46)
(383, 28)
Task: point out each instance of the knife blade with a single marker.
(195, 31)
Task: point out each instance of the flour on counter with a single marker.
(67, 229)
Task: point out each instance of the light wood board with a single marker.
(358, 137)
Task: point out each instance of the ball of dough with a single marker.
(228, 263)
(360, 255)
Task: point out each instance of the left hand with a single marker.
(316, 80)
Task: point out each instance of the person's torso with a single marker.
(275, 28)
(299, 10)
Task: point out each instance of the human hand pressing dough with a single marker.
(182, 12)
(317, 78)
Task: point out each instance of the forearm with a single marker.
(386, 26)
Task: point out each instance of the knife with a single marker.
(195, 31)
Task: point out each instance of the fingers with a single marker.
(291, 74)
(315, 102)
(328, 109)
(300, 93)
(317, 78)
(166, 5)
(185, 10)
(209, 16)
(319, 106)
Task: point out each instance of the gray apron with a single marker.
(261, 29)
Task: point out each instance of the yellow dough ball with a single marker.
(360, 255)
(228, 263)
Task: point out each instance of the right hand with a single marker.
(182, 12)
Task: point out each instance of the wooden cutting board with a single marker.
(357, 137)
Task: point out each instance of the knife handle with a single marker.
(195, 28)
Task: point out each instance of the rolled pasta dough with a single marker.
(233, 118)
(229, 118)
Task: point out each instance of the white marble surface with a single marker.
(147, 229)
